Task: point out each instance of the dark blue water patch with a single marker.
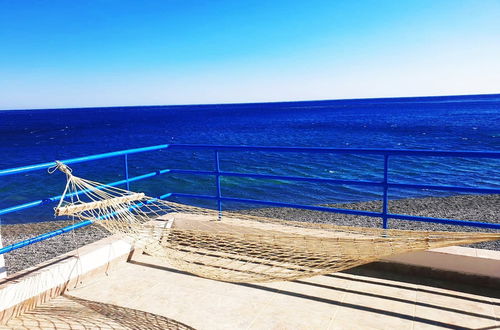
(437, 123)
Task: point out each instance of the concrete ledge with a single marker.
(25, 290)
(455, 263)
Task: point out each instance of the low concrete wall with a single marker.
(454, 262)
(25, 290)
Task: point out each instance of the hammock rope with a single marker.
(240, 248)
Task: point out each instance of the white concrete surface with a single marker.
(337, 301)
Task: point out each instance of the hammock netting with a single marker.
(240, 248)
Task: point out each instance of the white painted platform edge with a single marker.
(478, 262)
(61, 272)
(3, 269)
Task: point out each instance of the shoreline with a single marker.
(484, 208)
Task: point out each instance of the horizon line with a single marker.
(259, 102)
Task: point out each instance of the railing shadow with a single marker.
(401, 300)
(406, 277)
(355, 306)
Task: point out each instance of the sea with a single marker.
(435, 123)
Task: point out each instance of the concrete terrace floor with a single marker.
(146, 294)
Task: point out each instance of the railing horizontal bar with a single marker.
(399, 152)
(445, 221)
(45, 236)
(279, 204)
(347, 211)
(305, 207)
(23, 206)
(338, 181)
(278, 177)
(42, 166)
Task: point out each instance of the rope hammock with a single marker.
(240, 248)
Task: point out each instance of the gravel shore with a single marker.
(34, 254)
(484, 208)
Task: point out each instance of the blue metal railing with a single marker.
(217, 173)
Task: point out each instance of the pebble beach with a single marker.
(484, 208)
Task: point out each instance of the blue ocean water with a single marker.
(439, 123)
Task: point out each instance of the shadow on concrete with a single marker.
(438, 279)
(354, 306)
(478, 291)
(368, 294)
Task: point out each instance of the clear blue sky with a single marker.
(123, 52)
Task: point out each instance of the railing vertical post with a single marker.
(127, 184)
(217, 183)
(385, 202)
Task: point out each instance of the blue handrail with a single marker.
(42, 166)
(217, 174)
(393, 152)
